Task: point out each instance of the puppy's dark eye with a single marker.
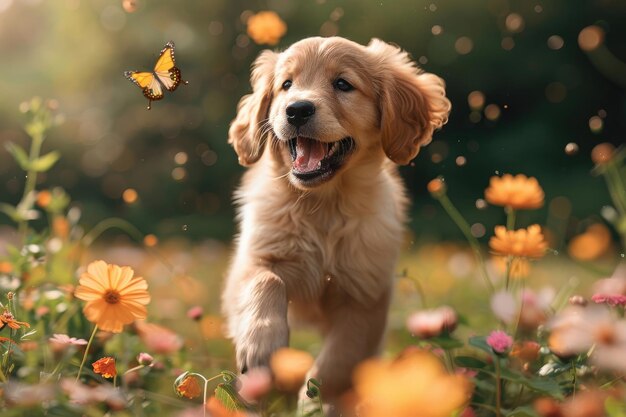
(286, 85)
(343, 85)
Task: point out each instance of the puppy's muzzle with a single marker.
(299, 112)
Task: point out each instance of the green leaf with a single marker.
(19, 154)
(227, 395)
(480, 342)
(469, 362)
(446, 342)
(45, 162)
(10, 211)
(615, 407)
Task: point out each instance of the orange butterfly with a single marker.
(164, 76)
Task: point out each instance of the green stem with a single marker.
(510, 218)
(507, 273)
(456, 216)
(31, 178)
(123, 225)
(498, 388)
(136, 368)
(80, 369)
(113, 222)
(449, 361)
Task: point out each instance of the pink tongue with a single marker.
(308, 154)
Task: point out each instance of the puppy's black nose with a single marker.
(299, 112)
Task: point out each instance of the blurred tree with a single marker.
(540, 93)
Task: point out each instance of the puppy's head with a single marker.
(327, 105)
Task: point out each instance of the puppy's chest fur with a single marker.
(314, 242)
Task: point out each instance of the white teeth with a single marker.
(333, 148)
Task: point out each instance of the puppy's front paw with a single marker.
(259, 341)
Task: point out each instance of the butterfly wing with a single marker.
(148, 83)
(165, 68)
(165, 75)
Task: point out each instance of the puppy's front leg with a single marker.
(259, 326)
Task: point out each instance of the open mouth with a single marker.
(315, 161)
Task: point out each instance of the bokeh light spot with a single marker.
(590, 38)
(181, 158)
(492, 112)
(130, 196)
(514, 23)
(571, 148)
(555, 42)
(595, 124)
(476, 100)
(478, 230)
(464, 45)
(179, 173)
(507, 43)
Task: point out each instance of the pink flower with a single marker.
(499, 341)
(195, 313)
(158, 339)
(254, 384)
(610, 299)
(145, 359)
(431, 323)
(63, 339)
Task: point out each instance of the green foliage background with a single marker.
(76, 51)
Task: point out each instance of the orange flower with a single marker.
(591, 244)
(7, 319)
(6, 267)
(114, 297)
(44, 198)
(105, 367)
(522, 242)
(517, 192)
(290, 367)
(266, 28)
(189, 387)
(436, 187)
(414, 385)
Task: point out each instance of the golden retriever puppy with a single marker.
(322, 208)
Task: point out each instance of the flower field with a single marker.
(512, 329)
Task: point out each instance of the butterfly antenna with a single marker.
(149, 104)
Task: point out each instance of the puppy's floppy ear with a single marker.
(247, 133)
(412, 103)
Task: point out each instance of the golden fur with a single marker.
(325, 252)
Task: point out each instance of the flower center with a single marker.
(112, 297)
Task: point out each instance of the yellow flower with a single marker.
(517, 192)
(266, 28)
(414, 385)
(114, 297)
(189, 387)
(105, 367)
(527, 243)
